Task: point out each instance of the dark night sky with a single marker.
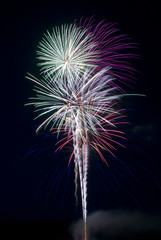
(23, 25)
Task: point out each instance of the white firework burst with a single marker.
(80, 109)
(68, 50)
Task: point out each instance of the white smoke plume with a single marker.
(118, 224)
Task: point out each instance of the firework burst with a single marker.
(78, 94)
(83, 109)
(69, 49)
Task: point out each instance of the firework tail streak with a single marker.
(78, 92)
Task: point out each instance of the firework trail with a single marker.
(78, 91)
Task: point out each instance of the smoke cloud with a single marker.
(118, 224)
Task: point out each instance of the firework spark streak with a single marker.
(77, 94)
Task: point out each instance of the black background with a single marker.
(22, 27)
